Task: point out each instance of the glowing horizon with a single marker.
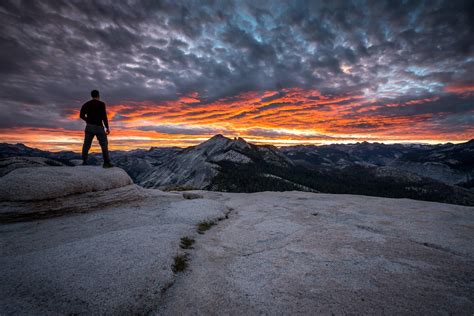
(187, 121)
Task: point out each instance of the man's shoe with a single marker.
(84, 163)
(108, 165)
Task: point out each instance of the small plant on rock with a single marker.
(204, 225)
(179, 188)
(180, 263)
(186, 242)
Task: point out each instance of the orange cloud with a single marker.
(289, 116)
(460, 88)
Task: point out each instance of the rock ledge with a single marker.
(44, 183)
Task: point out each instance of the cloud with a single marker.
(181, 129)
(277, 133)
(154, 52)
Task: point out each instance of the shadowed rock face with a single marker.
(43, 183)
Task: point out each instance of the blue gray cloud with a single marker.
(54, 52)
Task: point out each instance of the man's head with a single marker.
(95, 94)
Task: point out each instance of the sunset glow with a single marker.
(284, 74)
(286, 117)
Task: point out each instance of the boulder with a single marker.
(43, 183)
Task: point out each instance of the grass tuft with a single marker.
(186, 242)
(179, 188)
(180, 263)
(204, 225)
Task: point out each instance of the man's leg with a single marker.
(88, 137)
(102, 137)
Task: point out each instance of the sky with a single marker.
(174, 73)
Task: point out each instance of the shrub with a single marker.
(204, 225)
(180, 263)
(186, 242)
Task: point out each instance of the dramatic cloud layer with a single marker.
(282, 72)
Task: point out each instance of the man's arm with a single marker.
(82, 114)
(105, 120)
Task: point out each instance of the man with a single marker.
(95, 115)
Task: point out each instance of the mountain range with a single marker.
(442, 173)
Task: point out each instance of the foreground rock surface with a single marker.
(108, 249)
(303, 253)
(42, 183)
(113, 260)
(17, 211)
(277, 253)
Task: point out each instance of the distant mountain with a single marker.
(199, 166)
(138, 163)
(441, 173)
(449, 163)
(11, 163)
(20, 150)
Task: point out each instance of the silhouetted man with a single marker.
(95, 115)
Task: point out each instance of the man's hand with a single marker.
(107, 131)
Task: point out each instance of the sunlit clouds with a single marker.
(285, 117)
(174, 73)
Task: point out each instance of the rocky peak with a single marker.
(214, 144)
(240, 143)
(216, 140)
(219, 143)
